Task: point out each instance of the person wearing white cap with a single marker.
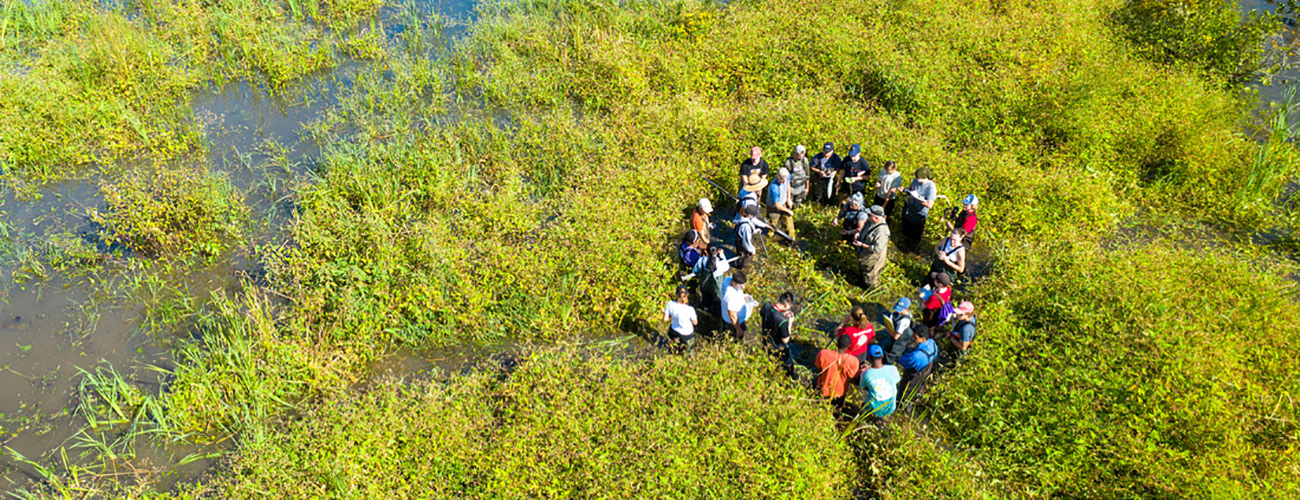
(700, 220)
(798, 166)
(780, 205)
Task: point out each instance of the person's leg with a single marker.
(787, 221)
(871, 271)
(743, 257)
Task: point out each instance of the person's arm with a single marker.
(959, 263)
(928, 201)
(735, 320)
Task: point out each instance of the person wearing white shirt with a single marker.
(682, 318)
(736, 307)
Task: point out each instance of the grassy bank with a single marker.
(538, 199)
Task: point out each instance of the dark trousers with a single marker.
(681, 342)
(913, 230)
(743, 258)
(913, 384)
(730, 332)
(887, 205)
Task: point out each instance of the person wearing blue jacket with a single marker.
(917, 363)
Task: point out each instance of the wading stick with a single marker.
(720, 188)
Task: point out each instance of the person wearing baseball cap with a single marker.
(700, 220)
(963, 331)
(872, 244)
(824, 166)
(856, 171)
(964, 218)
(798, 165)
(898, 331)
(879, 384)
(682, 319)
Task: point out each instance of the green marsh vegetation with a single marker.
(527, 184)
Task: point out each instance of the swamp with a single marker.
(421, 248)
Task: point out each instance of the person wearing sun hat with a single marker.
(700, 220)
(852, 218)
(898, 331)
(754, 171)
(965, 219)
(823, 168)
(963, 331)
(879, 384)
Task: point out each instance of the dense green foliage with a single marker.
(83, 81)
(167, 211)
(543, 210)
(567, 423)
(1207, 35)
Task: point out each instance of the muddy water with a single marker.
(53, 324)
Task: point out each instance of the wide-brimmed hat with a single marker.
(754, 183)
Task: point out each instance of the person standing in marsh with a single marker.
(736, 308)
(940, 294)
(879, 384)
(682, 319)
(950, 255)
(798, 165)
(748, 227)
(917, 362)
(963, 331)
(857, 327)
(754, 170)
(851, 219)
(872, 244)
(824, 167)
(898, 331)
(778, 324)
(836, 371)
(966, 220)
(920, 198)
(856, 171)
(888, 184)
(780, 204)
(700, 220)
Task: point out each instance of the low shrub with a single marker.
(172, 212)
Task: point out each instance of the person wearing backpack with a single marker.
(748, 227)
(950, 255)
(963, 330)
(736, 307)
(798, 166)
(852, 218)
(691, 251)
(780, 205)
(700, 220)
(964, 218)
(857, 326)
(879, 384)
(917, 362)
(898, 331)
(938, 300)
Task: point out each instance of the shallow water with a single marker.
(52, 324)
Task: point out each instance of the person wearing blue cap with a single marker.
(824, 166)
(898, 331)
(879, 384)
(964, 218)
(856, 171)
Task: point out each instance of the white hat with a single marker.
(784, 172)
(706, 206)
(800, 149)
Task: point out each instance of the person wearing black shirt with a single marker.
(778, 320)
(755, 162)
(821, 177)
(856, 171)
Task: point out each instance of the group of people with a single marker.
(887, 364)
